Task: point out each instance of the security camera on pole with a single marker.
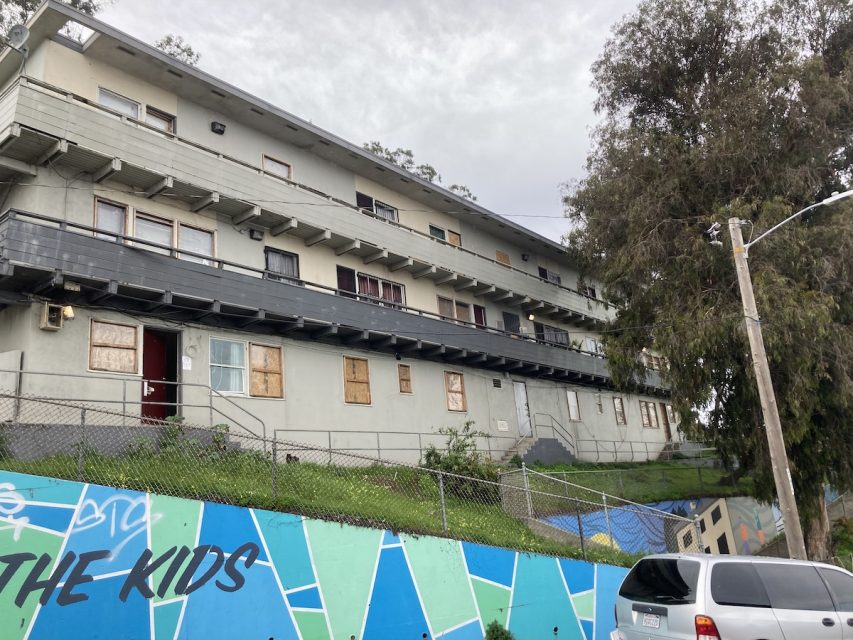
(773, 426)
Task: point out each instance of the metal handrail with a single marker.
(40, 84)
(557, 429)
(125, 401)
(221, 263)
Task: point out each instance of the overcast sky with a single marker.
(493, 93)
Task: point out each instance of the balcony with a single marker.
(43, 255)
(40, 124)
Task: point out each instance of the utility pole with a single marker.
(773, 427)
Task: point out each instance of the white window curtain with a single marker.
(227, 366)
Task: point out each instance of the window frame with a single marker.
(373, 207)
(481, 310)
(620, 410)
(273, 159)
(251, 369)
(245, 392)
(156, 220)
(163, 116)
(367, 382)
(576, 415)
(105, 235)
(121, 97)
(438, 233)
(648, 414)
(454, 238)
(137, 348)
(462, 394)
(452, 303)
(401, 379)
(381, 282)
(211, 261)
(550, 276)
(274, 275)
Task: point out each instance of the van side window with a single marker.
(841, 586)
(792, 586)
(667, 581)
(738, 585)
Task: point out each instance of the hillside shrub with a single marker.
(461, 458)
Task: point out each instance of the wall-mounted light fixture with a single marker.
(525, 257)
(217, 127)
(531, 317)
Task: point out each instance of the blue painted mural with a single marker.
(87, 561)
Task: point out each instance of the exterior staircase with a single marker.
(519, 449)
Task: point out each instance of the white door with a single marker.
(521, 408)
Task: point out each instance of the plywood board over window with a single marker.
(266, 379)
(356, 381)
(454, 386)
(113, 347)
(404, 373)
(503, 258)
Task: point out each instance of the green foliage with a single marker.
(5, 451)
(172, 432)
(516, 461)
(842, 541)
(496, 632)
(19, 11)
(714, 110)
(405, 159)
(179, 49)
(462, 458)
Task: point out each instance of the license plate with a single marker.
(651, 620)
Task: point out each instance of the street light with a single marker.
(778, 455)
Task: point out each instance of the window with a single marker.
(687, 539)
(463, 311)
(841, 587)
(446, 308)
(792, 586)
(512, 323)
(670, 415)
(154, 230)
(619, 408)
(437, 232)
(479, 315)
(114, 101)
(379, 209)
(662, 581)
(550, 276)
(716, 514)
(281, 265)
(737, 584)
(277, 167)
(196, 240)
(160, 120)
(649, 413)
(380, 291)
(599, 405)
(454, 238)
(113, 347)
(723, 544)
(547, 333)
(503, 258)
(109, 217)
(266, 379)
(356, 381)
(404, 374)
(574, 407)
(702, 525)
(454, 386)
(346, 282)
(227, 366)
(594, 346)
(585, 289)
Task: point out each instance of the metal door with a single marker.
(159, 366)
(522, 408)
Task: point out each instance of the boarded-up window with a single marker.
(454, 384)
(356, 381)
(113, 347)
(463, 312)
(454, 238)
(574, 407)
(619, 408)
(266, 379)
(503, 258)
(404, 372)
(446, 307)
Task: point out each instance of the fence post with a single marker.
(699, 539)
(330, 447)
(580, 527)
(607, 520)
(420, 448)
(378, 448)
(441, 502)
(274, 468)
(527, 490)
(81, 450)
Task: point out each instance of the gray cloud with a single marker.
(494, 94)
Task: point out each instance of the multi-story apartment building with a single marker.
(172, 244)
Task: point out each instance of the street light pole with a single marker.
(773, 426)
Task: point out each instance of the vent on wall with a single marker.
(51, 317)
(496, 383)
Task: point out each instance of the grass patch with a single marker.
(400, 499)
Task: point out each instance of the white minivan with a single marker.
(705, 597)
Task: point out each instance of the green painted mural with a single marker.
(87, 561)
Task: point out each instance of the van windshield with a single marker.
(662, 581)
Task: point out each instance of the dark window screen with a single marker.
(792, 586)
(716, 514)
(512, 322)
(346, 280)
(663, 580)
(737, 584)
(841, 586)
(363, 201)
(723, 544)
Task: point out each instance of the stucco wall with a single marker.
(278, 575)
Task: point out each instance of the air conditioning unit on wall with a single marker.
(51, 317)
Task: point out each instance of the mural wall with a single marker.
(87, 561)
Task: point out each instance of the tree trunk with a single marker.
(818, 532)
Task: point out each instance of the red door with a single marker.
(155, 369)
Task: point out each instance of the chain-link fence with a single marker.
(92, 444)
(598, 518)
